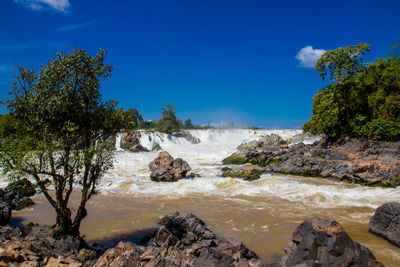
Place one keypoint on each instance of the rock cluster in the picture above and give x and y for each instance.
(35, 246)
(323, 242)
(386, 222)
(182, 240)
(167, 169)
(364, 162)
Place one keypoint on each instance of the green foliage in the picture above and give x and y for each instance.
(168, 122)
(262, 162)
(320, 155)
(225, 169)
(134, 117)
(26, 188)
(24, 204)
(234, 159)
(188, 124)
(362, 100)
(282, 143)
(65, 127)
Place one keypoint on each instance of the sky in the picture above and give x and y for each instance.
(250, 62)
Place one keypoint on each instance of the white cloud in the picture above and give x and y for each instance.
(308, 56)
(59, 5)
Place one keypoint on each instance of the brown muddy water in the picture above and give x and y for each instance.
(263, 223)
(262, 214)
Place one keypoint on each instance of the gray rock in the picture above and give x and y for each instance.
(167, 169)
(386, 222)
(5, 212)
(323, 242)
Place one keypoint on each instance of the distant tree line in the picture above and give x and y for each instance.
(167, 123)
(362, 100)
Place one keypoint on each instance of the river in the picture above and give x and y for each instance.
(263, 213)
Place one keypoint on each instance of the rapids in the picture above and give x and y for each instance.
(263, 213)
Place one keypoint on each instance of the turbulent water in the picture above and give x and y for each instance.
(263, 213)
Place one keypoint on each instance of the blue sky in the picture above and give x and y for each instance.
(246, 61)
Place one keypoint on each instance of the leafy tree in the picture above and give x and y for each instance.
(188, 124)
(363, 100)
(65, 127)
(135, 116)
(168, 122)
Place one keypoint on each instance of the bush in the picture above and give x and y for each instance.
(234, 159)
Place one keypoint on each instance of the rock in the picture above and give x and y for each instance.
(187, 135)
(323, 242)
(249, 173)
(23, 186)
(17, 194)
(130, 141)
(124, 254)
(386, 222)
(167, 169)
(185, 240)
(269, 140)
(156, 147)
(5, 212)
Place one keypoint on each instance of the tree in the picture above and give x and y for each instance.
(135, 116)
(188, 124)
(65, 130)
(168, 122)
(363, 100)
(342, 65)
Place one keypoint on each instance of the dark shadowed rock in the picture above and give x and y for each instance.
(167, 169)
(187, 135)
(386, 222)
(323, 242)
(5, 212)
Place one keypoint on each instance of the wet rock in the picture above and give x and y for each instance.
(269, 140)
(187, 135)
(167, 169)
(386, 222)
(248, 172)
(323, 242)
(156, 147)
(131, 141)
(18, 193)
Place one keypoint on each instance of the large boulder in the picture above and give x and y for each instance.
(131, 141)
(167, 169)
(185, 240)
(386, 222)
(268, 140)
(323, 242)
(18, 194)
(187, 135)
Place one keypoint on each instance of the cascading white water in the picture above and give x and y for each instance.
(131, 173)
(118, 142)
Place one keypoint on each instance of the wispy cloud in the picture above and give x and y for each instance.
(77, 26)
(308, 56)
(36, 44)
(59, 5)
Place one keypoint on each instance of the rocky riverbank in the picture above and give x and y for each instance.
(183, 240)
(367, 162)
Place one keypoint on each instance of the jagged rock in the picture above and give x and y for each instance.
(5, 212)
(185, 240)
(124, 254)
(323, 242)
(187, 135)
(269, 140)
(156, 147)
(386, 222)
(34, 245)
(17, 194)
(130, 141)
(246, 172)
(167, 169)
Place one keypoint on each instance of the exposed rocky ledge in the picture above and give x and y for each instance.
(386, 222)
(367, 162)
